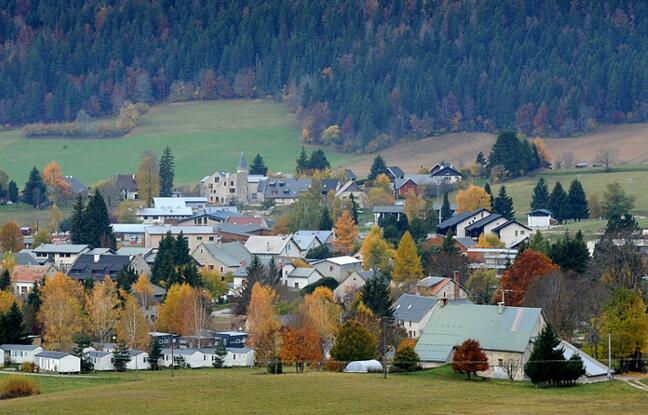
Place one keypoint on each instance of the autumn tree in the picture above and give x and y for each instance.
(55, 218)
(346, 233)
(482, 286)
(353, 342)
(263, 323)
(7, 298)
(126, 211)
(320, 311)
(214, 282)
(148, 179)
(143, 290)
(377, 196)
(407, 263)
(58, 187)
(469, 358)
(489, 240)
(624, 317)
(528, 266)
(375, 250)
(414, 206)
(473, 198)
(132, 327)
(300, 344)
(175, 314)
(102, 308)
(11, 239)
(61, 312)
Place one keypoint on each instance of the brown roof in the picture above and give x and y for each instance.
(245, 220)
(29, 273)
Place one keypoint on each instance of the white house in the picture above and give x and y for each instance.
(512, 233)
(19, 353)
(267, 247)
(540, 219)
(60, 362)
(239, 357)
(351, 284)
(101, 360)
(63, 256)
(338, 267)
(306, 241)
(193, 358)
(458, 222)
(299, 277)
(139, 360)
(412, 312)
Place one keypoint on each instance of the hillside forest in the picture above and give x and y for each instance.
(360, 74)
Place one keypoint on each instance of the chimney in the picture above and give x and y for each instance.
(500, 307)
(444, 300)
(457, 285)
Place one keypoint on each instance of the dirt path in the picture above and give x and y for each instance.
(51, 375)
(635, 382)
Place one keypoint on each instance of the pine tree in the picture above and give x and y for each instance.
(86, 362)
(318, 160)
(5, 280)
(12, 192)
(546, 360)
(448, 245)
(35, 191)
(354, 209)
(539, 243)
(96, 221)
(376, 295)
(258, 166)
(220, 351)
(155, 353)
(488, 190)
(126, 277)
(164, 265)
(121, 357)
(503, 204)
(571, 254)
(255, 273)
(326, 223)
(540, 198)
(446, 211)
(32, 307)
(378, 167)
(14, 327)
(167, 172)
(302, 163)
(558, 202)
(577, 202)
(77, 223)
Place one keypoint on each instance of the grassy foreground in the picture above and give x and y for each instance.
(250, 391)
(204, 135)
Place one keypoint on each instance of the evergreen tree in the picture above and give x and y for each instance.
(258, 166)
(326, 223)
(96, 223)
(547, 361)
(540, 198)
(32, 307)
(255, 273)
(167, 172)
(13, 326)
(558, 202)
(378, 167)
(12, 192)
(5, 280)
(571, 254)
(318, 160)
(577, 202)
(539, 244)
(376, 295)
(164, 265)
(446, 211)
(220, 351)
(488, 190)
(354, 209)
(77, 224)
(620, 226)
(126, 277)
(155, 354)
(448, 245)
(481, 159)
(503, 204)
(86, 363)
(302, 162)
(35, 191)
(121, 357)
(272, 275)
(516, 156)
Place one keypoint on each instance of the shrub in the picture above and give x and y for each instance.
(406, 360)
(29, 367)
(18, 386)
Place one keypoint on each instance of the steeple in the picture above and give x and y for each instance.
(242, 166)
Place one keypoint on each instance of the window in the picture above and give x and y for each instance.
(211, 267)
(296, 285)
(200, 239)
(222, 269)
(331, 268)
(211, 238)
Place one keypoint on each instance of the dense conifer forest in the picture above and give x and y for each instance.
(359, 73)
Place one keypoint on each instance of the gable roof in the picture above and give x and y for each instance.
(96, 267)
(76, 186)
(323, 236)
(481, 223)
(395, 171)
(245, 220)
(268, 245)
(450, 325)
(411, 307)
(340, 260)
(52, 355)
(27, 347)
(431, 281)
(175, 230)
(63, 248)
(540, 212)
(230, 254)
(509, 223)
(443, 170)
(285, 188)
(304, 240)
(302, 272)
(164, 211)
(389, 209)
(98, 353)
(349, 186)
(184, 352)
(127, 182)
(29, 273)
(454, 220)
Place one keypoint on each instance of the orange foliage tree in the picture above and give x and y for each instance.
(53, 178)
(473, 198)
(528, 266)
(346, 233)
(132, 327)
(175, 313)
(263, 323)
(300, 345)
(11, 239)
(320, 312)
(469, 358)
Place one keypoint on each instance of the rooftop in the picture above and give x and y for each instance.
(62, 248)
(411, 307)
(185, 229)
(52, 355)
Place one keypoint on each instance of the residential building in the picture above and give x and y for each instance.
(239, 357)
(76, 187)
(139, 360)
(195, 235)
(412, 312)
(24, 277)
(325, 237)
(497, 259)
(177, 202)
(278, 247)
(338, 267)
(131, 234)
(306, 241)
(62, 256)
(540, 219)
(235, 339)
(211, 216)
(164, 215)
(354, 282)
(485, 225)
(285, 191)
(381, 212)
(511, 233)
(19, 353)
(127, 186)
(97, 267)
(59, 362)
(458, 222)
(192, 358)
(300, 277)
(101, 360)
(225, 257)
(256, 185)
(395, 172)
(225, 188)
(442, 287)
(461, 244)
(228, 232)
(504, 333)
(351, 188)
(445, 174)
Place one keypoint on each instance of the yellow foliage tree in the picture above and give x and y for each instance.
(55, 218)
(407, 263)
(148, 179)
(126, 211)
(143, 290)
(175, 313)
(489, 240)
(6, 301)
(61, 312)
(41, 237)
(53, 178)
(102, 308)
(282, 226)
(542, 150)
(375, 250)
(263, 322)
(128, 117)
(11, 239)
(8, 261)
(132, 327)
(346, 233)
(473, 198)
(414, 206)
(320, 311)
(383, 182)
(213, 281)
(379, 196)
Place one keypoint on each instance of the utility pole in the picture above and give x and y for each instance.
(172, 359)
(609, 356)
(385, 322)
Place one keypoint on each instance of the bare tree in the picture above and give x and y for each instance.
(567, 160)
(511, 367)
(607, 157)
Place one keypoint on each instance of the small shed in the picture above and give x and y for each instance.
(539, 219)
(139, 360)
(60, 362)
(364, 366)
(239, 357)
(101, 360)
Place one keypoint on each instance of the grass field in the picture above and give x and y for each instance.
(249, 391)
(204, 135)
(25, 215)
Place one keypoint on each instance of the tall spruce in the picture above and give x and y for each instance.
(446, 211)
(12, 326)
(545, 361)
(571, 254)
(155, 354)
(96, 222)
(318, 160)
(378, 167)
(326, 223)
(488, 190)
(302, 162)
(77, 222)
(164, 265)
(35, 191)
(258, 166)
(376, 294)
(86, 362)
(577, 202)
(167, 172)
(12, 191)
(5, 280)
(173, 264)
(540, 198)
(503, 204)
(516, 155)
(121, 357)
(354, 209)
(558, 203)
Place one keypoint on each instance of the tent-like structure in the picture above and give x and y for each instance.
(363, 366)
(595, 371)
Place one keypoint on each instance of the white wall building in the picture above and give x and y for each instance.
(239, 357)
(59, 362)
(101, 360)
(19, 353)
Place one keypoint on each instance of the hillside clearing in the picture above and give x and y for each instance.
(247, 391)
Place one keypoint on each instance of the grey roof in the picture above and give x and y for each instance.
(411, 307)
(52, 355)
(219, 215)
(430, 281)
(389, 209)
(540, 212)
(395, 171)
(244, 230)
(508, 223)
(417, 179)
(126, 182)
(511, 330)
(239, 350)
(28, 347)
(184, 352)
(98, 353)
(301, 272)
(442, 170)
(155, 211)
(285, 188)
(457, 218)
(483, 222)
(304, 240)
(129, 228)
(349, 174)
(101, 251)
(467, 242)
(97, 267)
(76, 186)
(323, 236)
(63, 248)
(135, 250)
(25, 258)
(134, 352)
(231, 254)
(329, 185)
(268, 245)
(175, 230)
